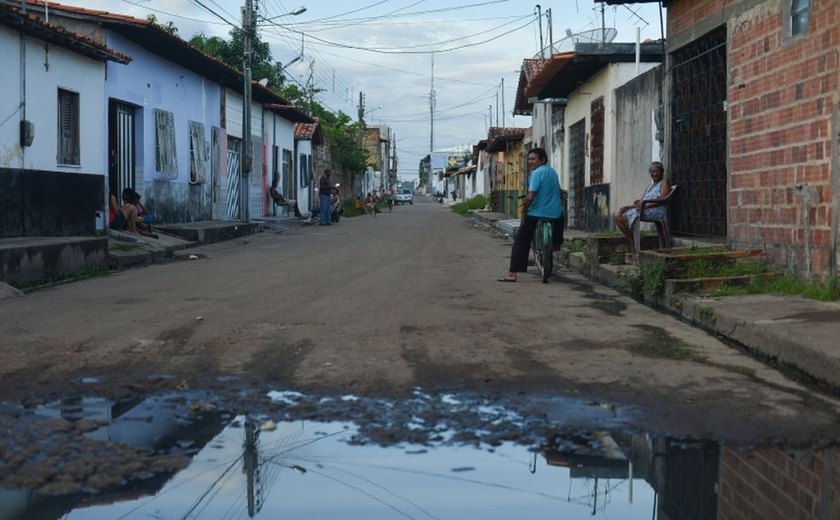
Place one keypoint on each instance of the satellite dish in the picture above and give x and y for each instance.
(590, 36)
(606, 35)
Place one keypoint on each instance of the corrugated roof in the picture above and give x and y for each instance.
(531, 67)
(309, 131)
(497, 136)
(170, 47)
(565, 72)
(11, 16)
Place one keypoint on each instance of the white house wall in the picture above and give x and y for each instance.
(579, 107)
(279, 132)
(152, 83)
(65, 70)
(305, 187)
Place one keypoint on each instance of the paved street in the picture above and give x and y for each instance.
(379, 306)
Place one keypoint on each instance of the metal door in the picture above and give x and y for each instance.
(698, 137)
(120, 147)
(234, 178)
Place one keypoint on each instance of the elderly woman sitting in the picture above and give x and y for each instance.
(655, 194)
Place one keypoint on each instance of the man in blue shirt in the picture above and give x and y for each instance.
(542, 202)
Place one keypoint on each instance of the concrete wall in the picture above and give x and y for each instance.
(150, 82)
(603, 84)
(635, 144)
(279, 133)
(40, 203)
(66, 70)
(783, 112)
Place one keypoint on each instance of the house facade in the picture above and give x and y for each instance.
(506, 162)
(752, 118)
(781, 88)
(51, 161)
(174, 123)
(573, 99)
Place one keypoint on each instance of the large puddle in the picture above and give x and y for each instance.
(428, 457)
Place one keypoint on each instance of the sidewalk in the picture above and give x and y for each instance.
(37, 260)
(791, 332)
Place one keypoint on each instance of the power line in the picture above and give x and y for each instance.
(383, 51)
(217, 15)
(173, 15)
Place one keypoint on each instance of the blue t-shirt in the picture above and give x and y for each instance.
(546, 184)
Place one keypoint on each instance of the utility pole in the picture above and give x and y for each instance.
(247, 148)
(310, 86)
(361, 131)
(550, 24)
(497, 108)
(539, 22)
(504, 115)
(432, 109)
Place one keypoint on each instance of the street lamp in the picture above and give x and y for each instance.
(294, 12)
(248, 29)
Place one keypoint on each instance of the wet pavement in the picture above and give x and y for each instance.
(186, 455)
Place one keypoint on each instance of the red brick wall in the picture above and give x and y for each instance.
(781, 95)
(773, 484)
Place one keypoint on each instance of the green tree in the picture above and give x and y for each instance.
(169, 27)
(341, 132)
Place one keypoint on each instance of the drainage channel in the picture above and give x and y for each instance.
(182, 455)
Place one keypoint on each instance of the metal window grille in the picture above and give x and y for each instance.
(166, 163)
(577, 174)
(699, 137)
(198, 153)
(596, 144)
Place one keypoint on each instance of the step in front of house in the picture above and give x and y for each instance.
(211, 231)
(33, 260)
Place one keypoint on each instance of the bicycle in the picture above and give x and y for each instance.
(543, 246)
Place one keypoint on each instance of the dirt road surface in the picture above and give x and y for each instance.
(380, 306)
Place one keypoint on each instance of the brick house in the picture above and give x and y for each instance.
(753, 126)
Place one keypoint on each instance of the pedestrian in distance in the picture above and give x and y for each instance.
(325, 188)
(543, 202)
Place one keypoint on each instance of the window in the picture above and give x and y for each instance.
(288, 177)
(68, 128)
(166, 163)
(275, 164)
(198, 153)
(305, 164)
(799, 17)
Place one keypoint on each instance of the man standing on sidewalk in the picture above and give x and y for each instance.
(324, 190)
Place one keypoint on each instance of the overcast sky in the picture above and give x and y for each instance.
(383, 48)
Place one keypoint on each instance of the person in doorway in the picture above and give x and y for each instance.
(280, 200)
(325, 188)
(541, 203)
(658, 189)
(120, 220)
(144, 216)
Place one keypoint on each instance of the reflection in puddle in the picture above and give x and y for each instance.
(315, 470)
(239, 467)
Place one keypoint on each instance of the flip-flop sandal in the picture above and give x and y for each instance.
(503, 279)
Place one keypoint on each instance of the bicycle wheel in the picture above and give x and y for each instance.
(547, 252)
(536, 246)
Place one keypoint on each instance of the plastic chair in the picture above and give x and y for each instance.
(662, 231)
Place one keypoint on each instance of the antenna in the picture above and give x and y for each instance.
(605, 35)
